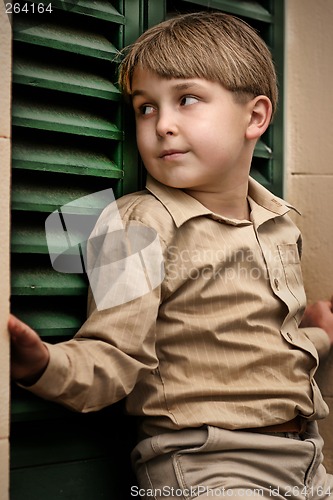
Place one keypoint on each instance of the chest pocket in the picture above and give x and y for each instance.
(292, 271)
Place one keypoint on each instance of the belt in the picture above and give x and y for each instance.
(297, 425)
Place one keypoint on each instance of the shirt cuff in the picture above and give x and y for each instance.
(50, 384)
(320, 339)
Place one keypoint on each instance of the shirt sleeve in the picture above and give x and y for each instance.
(320, 340)
(115, 347)
(102, 364)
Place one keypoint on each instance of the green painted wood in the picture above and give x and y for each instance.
(59, 77)
(277, 136)
(258, 176)
(27, 237)
(89, 435)
(98, 10)
(156, 12)
(39, 456)
(252, 10)
(63, 37)
(262, 150)
(44, 281)
(89, 479)
(49, 322)
(25, 408)
(62, 118)
(43, 197)
(63, 159)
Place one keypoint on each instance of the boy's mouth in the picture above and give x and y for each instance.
(170, 154)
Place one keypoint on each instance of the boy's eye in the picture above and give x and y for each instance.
(146, 109)
(188, 100)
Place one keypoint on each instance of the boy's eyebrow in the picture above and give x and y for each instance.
(187, 85)
(137, 93)
(177, 86)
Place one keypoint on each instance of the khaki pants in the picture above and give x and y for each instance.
(218, 463)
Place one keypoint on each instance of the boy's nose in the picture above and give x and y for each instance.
(166, 124)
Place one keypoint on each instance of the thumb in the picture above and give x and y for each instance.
(20, 331)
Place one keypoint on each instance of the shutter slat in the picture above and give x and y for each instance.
(50, 323)
(98, 10)
(63, 119)
(262, 150)
(259, 177)
(31, 239)
(75, 81)
(68, 38)
(253, 10)
(24, 409)
(45, 281)
(42, 197)
(28, 238)
(44, 157)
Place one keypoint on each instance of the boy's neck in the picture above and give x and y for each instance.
(232, 204)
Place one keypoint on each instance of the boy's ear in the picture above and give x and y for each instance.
(261, 113)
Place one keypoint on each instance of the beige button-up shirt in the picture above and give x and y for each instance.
(217, 341)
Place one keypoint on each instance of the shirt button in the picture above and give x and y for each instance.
(289, 336)
(276, 283)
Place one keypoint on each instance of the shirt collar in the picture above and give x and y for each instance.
(180, 205)
(183, 207)
(268, 200)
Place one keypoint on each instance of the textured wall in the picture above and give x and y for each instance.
(309, 156)
(5, 65)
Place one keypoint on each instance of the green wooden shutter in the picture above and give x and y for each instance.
(265, 16)
(67, 143)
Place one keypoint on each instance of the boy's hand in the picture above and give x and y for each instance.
(29, 355)
(320, 314)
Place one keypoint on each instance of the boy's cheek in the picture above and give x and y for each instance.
(144, 143)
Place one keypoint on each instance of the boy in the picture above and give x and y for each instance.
(211, 359)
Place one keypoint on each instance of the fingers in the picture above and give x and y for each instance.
(324, 305)
(319, 314)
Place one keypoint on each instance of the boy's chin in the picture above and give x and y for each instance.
(172, 183)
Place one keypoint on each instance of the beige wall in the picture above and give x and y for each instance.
(309, 155)
(5, 65)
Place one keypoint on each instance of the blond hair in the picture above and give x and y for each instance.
(210, 45)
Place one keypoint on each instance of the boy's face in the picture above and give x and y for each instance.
(191, 133)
